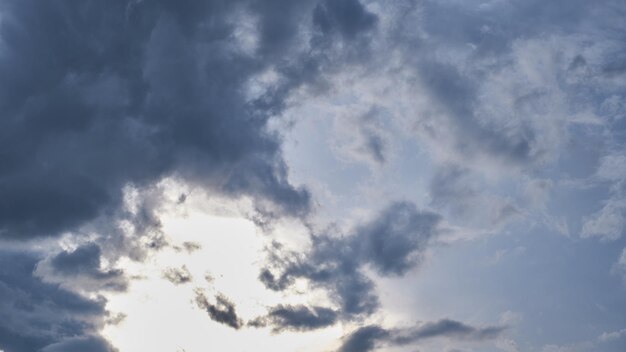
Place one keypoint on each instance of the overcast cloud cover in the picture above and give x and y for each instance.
(432, 175)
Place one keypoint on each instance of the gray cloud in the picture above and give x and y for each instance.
(483, 100)
(347, 17)
(454, 95)
(364, 339)
(457, 191)
(129, 93)
(82, 269)
(369, 337)
(392, 243)
(223, 311)
(36, 314)
(296, 318)
(177, 276)
(189, 247)
(97, 97)
(100, 95)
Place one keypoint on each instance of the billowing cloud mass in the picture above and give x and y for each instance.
(399, 161)
(97, 96)
(392, 243)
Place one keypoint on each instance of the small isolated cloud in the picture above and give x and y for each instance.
(177, 276)
(222, 311)
(188, 247)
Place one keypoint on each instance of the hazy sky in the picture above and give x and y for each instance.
(312, 175)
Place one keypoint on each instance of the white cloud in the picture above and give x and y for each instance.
(615, 335)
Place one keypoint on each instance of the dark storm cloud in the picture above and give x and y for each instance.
(36, 314)
(392, 243)
(177, 276)
(98, 95)
(369, 337)
(223, 311)
(296, 318)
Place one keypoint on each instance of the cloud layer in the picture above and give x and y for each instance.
(490, 118)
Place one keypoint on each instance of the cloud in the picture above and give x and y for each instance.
(609, 222)
(177, 276)
(36, 314)
(576, 347)
(620, 266)
(392, 243)
(369, 337)
(362, 137)
(223, 311)
(81, 344)
(101, 109)
(296, 318)
(347, 17)
(81, 269)
(457, 191)
(189, 247)
(612, 336)
(101, 102)
(364, 339)
(101, 97)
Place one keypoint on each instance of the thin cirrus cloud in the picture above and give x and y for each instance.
(507, 117)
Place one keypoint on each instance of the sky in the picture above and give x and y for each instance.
(312, 175)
